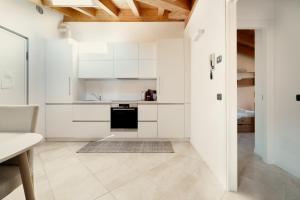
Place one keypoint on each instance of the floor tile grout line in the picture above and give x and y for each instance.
(48, 180)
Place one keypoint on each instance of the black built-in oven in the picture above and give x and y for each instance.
(124, 116)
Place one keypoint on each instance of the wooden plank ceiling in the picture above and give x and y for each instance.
(246, 42)
(120, 10)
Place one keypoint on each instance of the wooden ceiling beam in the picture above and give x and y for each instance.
(246, 37)
(69, 12)
(245, 50)
(125, 15)
(108, 11)
(134, 7)
(108, 6)
(160, 11)
(90, 12)
(171, 5)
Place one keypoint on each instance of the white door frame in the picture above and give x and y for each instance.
(231, 87)
(231, 97)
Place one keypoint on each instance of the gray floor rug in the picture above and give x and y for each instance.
(128, 147)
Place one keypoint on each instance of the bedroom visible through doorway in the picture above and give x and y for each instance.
(245, 94)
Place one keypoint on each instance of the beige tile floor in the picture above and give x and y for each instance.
(62, 174)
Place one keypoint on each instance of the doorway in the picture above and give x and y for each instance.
(13, 68)
(245, 95)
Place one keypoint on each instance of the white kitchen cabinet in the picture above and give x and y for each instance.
(170, 71)
(147, 112)
(59, 121)
(126, 69)
(90, 130)
(171, 121)
(123, 134)
(147, 51)
(126, 51)
(91, 113)
(61, 59)
(147, 130)
(96, 69)
(92, 52)
(147, 69)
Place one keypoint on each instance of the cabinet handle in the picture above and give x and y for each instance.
(70, 86)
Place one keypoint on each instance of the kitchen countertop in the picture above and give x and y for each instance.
(81, 102)
(115, 102)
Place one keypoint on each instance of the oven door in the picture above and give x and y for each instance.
(124, 118)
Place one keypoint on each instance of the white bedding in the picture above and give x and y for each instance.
(242, 113)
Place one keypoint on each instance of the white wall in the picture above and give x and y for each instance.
(283, 18)
(208, 127)
(21, 16)
(126, 31)
(287, 85)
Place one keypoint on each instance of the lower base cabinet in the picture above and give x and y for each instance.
(171, 121)
(147, 130)
(59, 121)
(91, 130)
(59, 124)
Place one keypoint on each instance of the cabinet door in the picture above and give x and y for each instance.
(170, 68)
(147, 51)
(147, 130)
(147, 113)
(91, 52)
(91, 112)
(59, 71)
(126, 51)
(171, 121)
(59, 121)
(96, 69)
(90, 130)
(126, 68)
(147, 69)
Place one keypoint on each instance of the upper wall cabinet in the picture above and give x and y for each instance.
(96, 69)
(61, 60)
(126, 69)
(95, 52)
(117, 60)
(96, 61)
(147, 61)
(126, 51)
(147, 69)
(147, 51)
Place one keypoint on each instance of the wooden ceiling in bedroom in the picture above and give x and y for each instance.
(120, 10)
(246, 42)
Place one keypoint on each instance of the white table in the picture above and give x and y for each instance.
(17, 145)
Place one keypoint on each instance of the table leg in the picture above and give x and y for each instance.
(25, 175)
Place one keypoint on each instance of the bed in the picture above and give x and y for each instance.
(246, 121)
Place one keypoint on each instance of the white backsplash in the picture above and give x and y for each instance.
(117, 89)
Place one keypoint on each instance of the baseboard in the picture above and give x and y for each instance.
(115, 139)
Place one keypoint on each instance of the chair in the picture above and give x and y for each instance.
(15, 119)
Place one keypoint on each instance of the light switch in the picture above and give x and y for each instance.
(219, 97)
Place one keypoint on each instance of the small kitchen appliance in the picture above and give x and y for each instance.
(150, 95)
